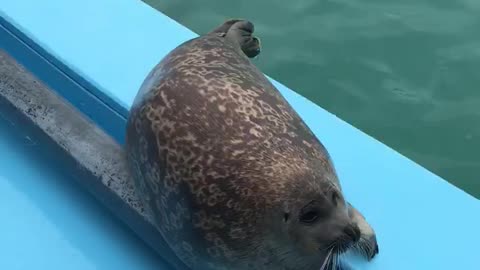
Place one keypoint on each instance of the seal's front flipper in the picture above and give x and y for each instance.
(367, 245)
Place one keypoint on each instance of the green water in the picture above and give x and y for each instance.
(405, 72)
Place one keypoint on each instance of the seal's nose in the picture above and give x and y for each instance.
(353, 232)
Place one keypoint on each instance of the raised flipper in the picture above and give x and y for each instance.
(240, 32)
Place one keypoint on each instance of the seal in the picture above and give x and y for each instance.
(231, 174)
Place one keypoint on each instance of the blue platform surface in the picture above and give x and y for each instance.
(48, 221)
(105, 48)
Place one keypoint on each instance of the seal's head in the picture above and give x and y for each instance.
(315, 227)
(239, 32)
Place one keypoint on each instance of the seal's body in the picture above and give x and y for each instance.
(230, 172)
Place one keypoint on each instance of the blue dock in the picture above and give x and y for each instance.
(95, 54)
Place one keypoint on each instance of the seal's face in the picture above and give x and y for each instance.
(320, 227)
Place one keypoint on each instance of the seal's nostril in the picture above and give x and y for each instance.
(353, 232)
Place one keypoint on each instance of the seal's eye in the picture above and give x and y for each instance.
(313, 211)
(309, 217)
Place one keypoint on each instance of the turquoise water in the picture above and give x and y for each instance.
(405, 72)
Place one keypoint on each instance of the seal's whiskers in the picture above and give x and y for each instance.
(327, 259)
(363, 247)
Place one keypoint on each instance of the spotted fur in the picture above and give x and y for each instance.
(214, 148)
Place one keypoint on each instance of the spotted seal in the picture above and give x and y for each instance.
(231, 174)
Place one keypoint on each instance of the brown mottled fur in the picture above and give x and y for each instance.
(218, 154)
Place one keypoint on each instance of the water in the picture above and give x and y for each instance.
(405, 72)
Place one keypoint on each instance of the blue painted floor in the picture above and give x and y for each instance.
(48, 221)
